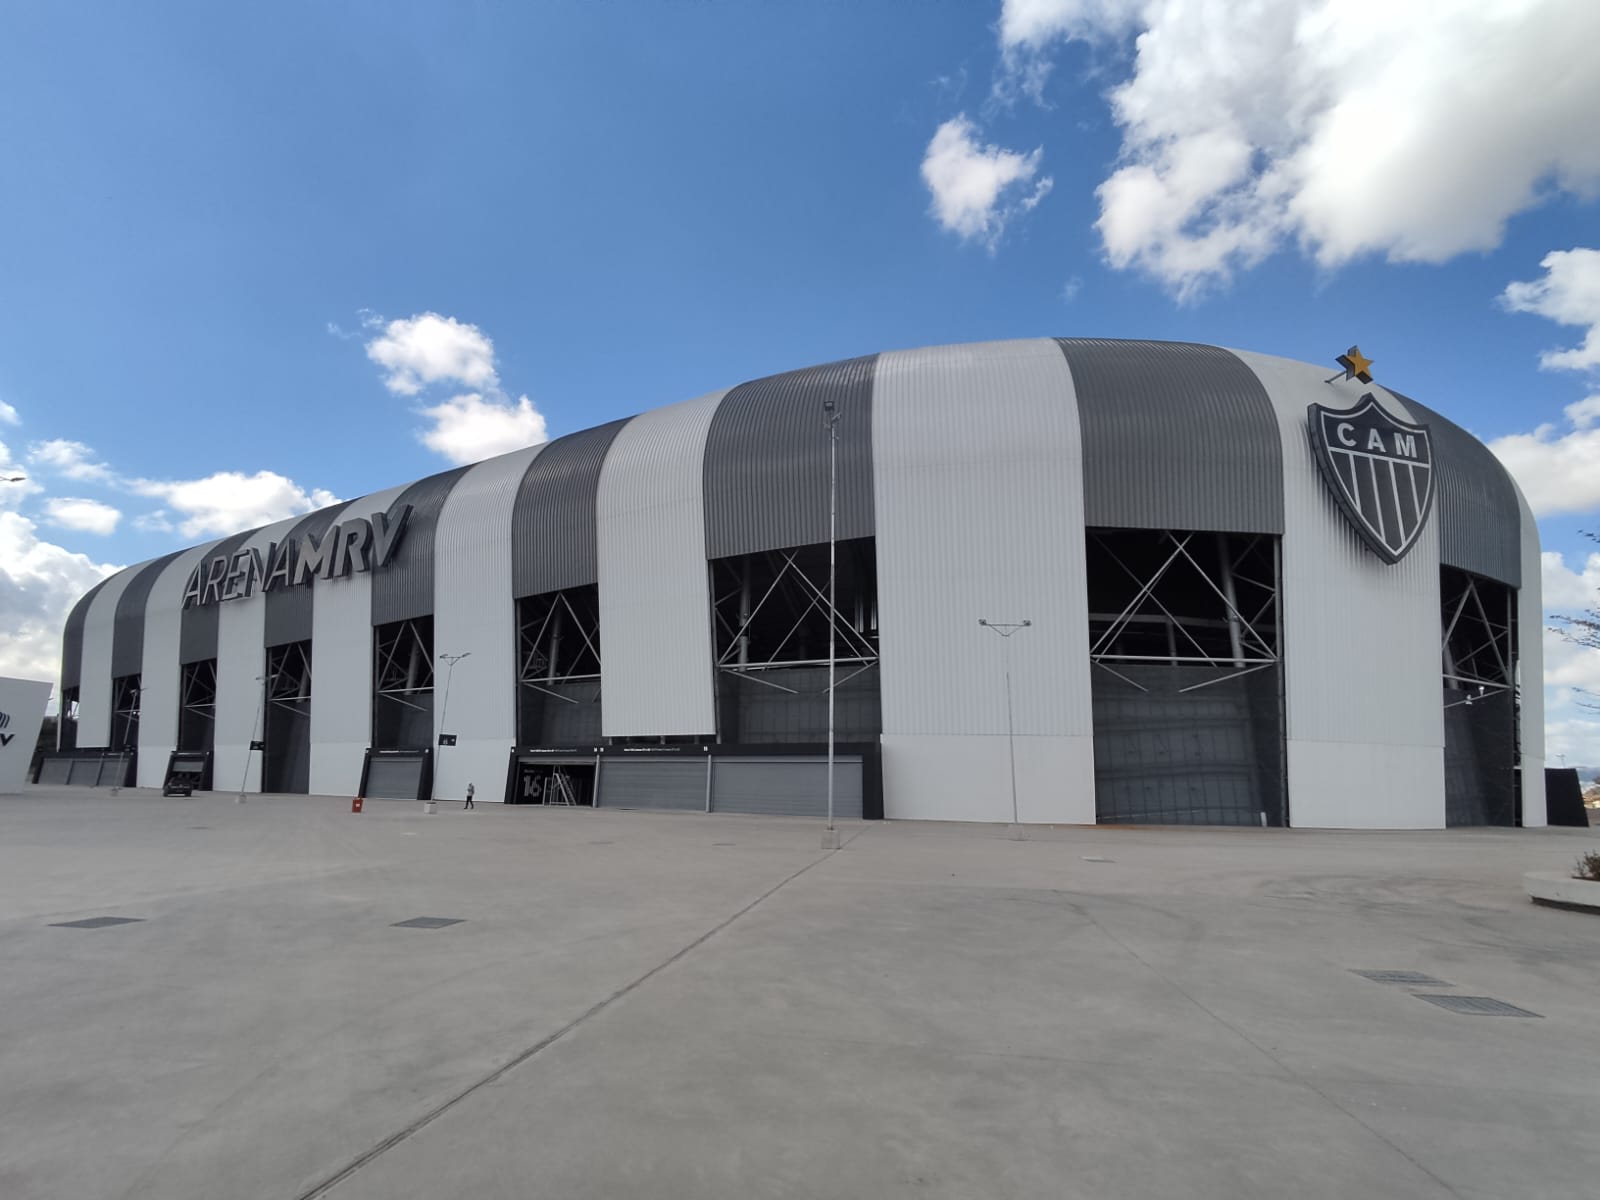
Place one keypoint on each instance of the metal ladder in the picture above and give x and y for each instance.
(560, 789)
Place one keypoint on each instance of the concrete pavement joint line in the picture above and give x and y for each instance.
(1282, 1066)
(422, 1122)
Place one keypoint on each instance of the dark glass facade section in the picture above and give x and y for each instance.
(197, 705)
(1186, 677)
(402, 692)
(286, 765)
(771, 624)
(558, 668)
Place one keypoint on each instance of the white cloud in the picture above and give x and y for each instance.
(153, 522)
(1558, 472)
(469, 428)
(8, 415)
(1566, 590)
(72, 460)
(39, 584)
(12, 494)
(1585, 412)
(1569, 294)
(1348, 127)
(428, 348)
(230, 501)
(977, 189)
(85, 516)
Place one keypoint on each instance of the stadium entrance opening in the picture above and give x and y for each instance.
(562, 782)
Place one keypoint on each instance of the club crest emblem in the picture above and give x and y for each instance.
(1379, 469)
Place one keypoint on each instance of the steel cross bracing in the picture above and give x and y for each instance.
(404, 662)
(125, 709)
(1251, 623)
(558, 642)
(198, 688)
(801, 604)
(1477, 653)
(289, 675)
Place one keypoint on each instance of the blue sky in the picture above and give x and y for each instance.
(211, 213)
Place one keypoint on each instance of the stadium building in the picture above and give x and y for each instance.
(1219, 588)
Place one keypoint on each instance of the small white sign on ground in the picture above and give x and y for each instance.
(22, 704)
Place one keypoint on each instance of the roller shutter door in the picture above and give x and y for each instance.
(653, 783)
(394, 778)
(55, 770)
(789, 787)
(84, 772)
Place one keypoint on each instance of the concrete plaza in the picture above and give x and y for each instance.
(669, 1005)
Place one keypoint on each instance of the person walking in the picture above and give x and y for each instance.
(471, 791)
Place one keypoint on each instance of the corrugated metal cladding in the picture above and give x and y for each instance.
(1475, 502)
(158, 705)
(654, 782)
(197, 639)
(94, 698)
(405, 590)
(289, 609)
(127, 635)
(72, 638)
(1530, 668)
(656, 651)
(766, 464)
(553, 521)
(1175, 436)
(786, 787)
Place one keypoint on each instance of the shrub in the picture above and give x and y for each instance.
(1588, 866)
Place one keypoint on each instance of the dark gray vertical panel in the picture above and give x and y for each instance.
(72, 638)
(127, 630)
(1175, 436)
(197, 634)
(766, 482)
(553, 542)
(1475, 503)
(288, 615)
(403, 590)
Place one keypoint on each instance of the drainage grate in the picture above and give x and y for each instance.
(1477, 1006)
(427, 922)
(95, 922)
(1409, 978)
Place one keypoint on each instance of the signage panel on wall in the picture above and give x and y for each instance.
(22, 703)
(1379, 469)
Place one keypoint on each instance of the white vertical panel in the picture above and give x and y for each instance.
(655, 606)
(94, 687)
(341, 668)
(979, 496)
(1530, 648)
(1360, 637)
(241, 657)
(475, 615)
(160, 674)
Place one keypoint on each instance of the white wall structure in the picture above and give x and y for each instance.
(241, 664)
(656, 652)
(341, 668)
(1530, 669)
(22, 705)
(475, 615)
(1359, 755)
(94, 695)
(977, 467)
(161, 676)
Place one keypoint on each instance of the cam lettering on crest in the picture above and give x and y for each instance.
(345, 549)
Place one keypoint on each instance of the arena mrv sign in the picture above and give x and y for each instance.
(1379, 469)
(346, 548)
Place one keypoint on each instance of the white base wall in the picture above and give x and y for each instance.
(951, 778)
(1345, 785)
(152, 764)
(335, 767)
(480, 761)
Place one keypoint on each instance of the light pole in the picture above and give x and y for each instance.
(1005, 629)
(830, 835)
(261, 699)
(444, 709)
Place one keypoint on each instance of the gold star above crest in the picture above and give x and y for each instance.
(1356, 365)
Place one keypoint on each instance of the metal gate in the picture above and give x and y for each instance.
(395, 777)
(653, 783)
(786, 786)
